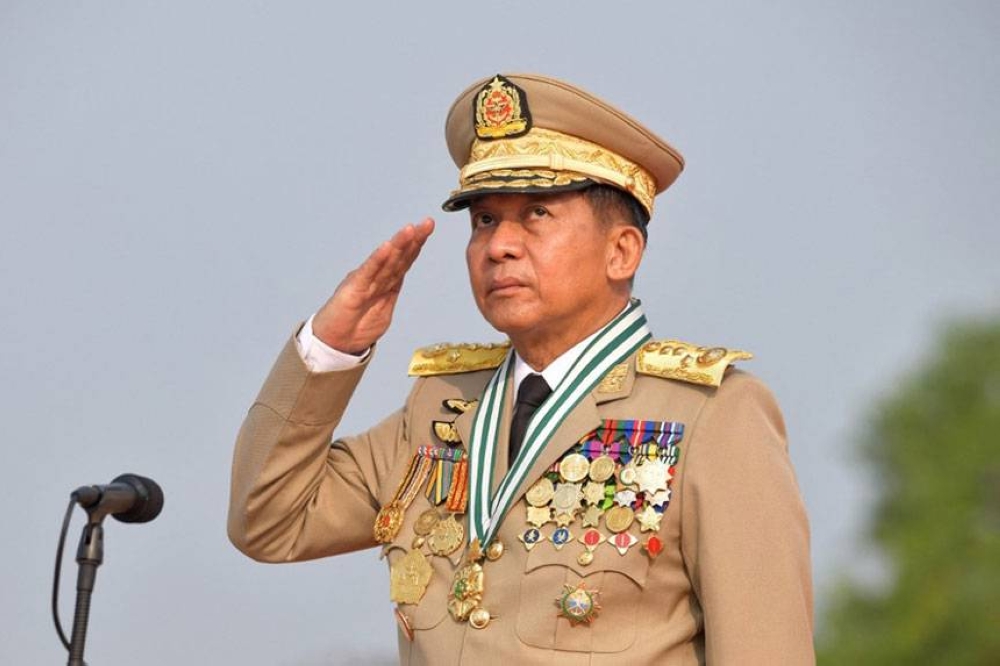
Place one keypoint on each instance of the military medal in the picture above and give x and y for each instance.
(652, 476)
(574, 467)
(566, 502)
(619, 518)
(649, 519)
(623, 541)
(593, 492)
(540, 494)
(590, 539)
(409, 577)
(494, 551)
(628, 474)
(602, 469)
(578, 604)
(653, 546)
(592, 516)
(446, 536)
(625, 497)
(660, 498)
(390, 517)
(530, 537)
(466, 591)
(426, 522)
(561, 537)
(387, 522)
(539, 515)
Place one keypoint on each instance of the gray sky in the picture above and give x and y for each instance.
(181, 183)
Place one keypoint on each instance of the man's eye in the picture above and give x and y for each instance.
(539, 211)
(481, 220)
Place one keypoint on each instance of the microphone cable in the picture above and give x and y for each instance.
(55, 577)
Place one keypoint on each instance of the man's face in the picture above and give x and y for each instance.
(538, 265)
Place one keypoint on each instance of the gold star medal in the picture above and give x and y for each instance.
(649, 519)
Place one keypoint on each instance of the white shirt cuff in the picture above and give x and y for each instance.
(321, 357)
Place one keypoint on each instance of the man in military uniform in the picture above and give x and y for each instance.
(583, 494)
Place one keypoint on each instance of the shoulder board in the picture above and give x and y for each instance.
(673, 359)
(449, 359)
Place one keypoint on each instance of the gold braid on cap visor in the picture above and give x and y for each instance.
(546, 158)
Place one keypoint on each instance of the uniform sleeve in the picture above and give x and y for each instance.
(744, 531)
(294, 495)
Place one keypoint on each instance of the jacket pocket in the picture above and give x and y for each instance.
(618, 581)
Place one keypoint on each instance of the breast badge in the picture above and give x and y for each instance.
(578, 604)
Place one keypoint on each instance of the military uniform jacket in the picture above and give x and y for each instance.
(731, 585)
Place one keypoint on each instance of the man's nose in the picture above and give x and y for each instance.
(506, 241)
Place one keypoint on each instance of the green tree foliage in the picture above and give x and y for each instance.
(934, 446)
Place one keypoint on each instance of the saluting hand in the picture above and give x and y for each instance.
(360, 310)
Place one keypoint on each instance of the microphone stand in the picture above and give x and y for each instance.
(89, 556)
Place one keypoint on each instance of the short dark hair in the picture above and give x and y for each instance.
(613, 205)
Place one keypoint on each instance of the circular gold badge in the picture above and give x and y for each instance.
(574, 467)
(426, 522)
(619, 518)
(540, 493)
(602, 469)
(446, 537)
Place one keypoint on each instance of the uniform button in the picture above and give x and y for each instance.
(494, 551)
(479, 618)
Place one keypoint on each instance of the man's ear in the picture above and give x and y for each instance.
(625, 246)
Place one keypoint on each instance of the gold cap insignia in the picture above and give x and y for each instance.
(501, 110)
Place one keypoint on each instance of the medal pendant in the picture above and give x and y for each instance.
(540, 494)
(653, 546)
(622, 542)
(561, 537)
(652, 476)
(387, 522)
(466, 591)
(446, 537)
(574, 467)
(409, 577)
(530, 537)
(619, 518)
(539, 515)
(602, 469)
(649, 519)
(426, 522)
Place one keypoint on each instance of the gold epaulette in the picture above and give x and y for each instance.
(674, 359)
(448, 359)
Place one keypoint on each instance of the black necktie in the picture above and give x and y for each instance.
(532, 393)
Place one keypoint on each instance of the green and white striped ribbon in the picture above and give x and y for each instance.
(612, 345)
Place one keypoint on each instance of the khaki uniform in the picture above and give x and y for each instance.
(731, 585)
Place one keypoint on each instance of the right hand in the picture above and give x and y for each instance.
(360, 310)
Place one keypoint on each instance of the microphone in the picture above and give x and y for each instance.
(130, 498)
